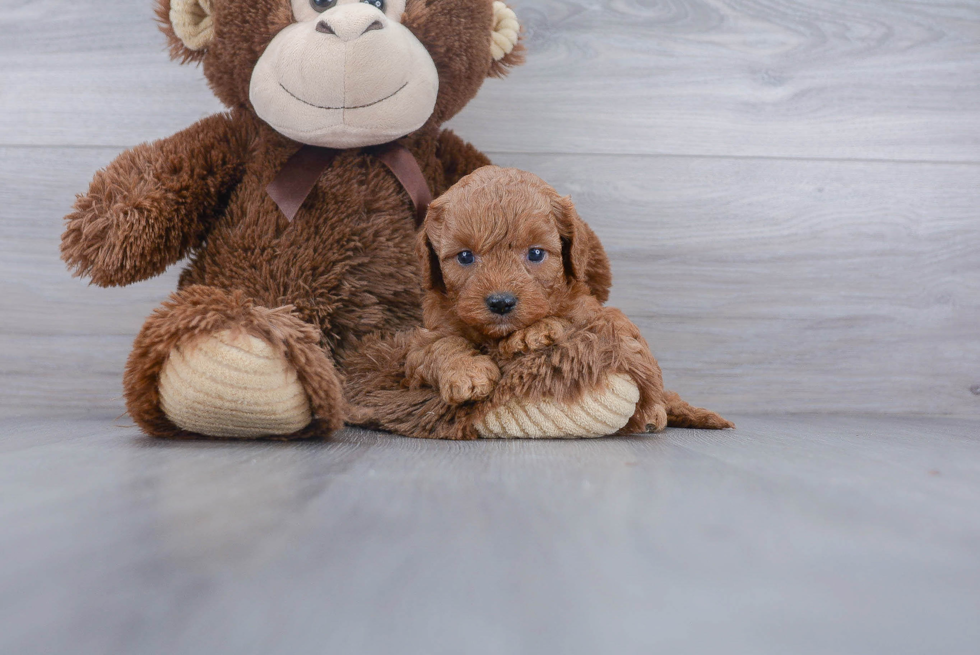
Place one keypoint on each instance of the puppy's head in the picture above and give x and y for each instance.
(502, 250)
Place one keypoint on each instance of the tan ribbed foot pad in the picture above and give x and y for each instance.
(600, 413)
(231, 384)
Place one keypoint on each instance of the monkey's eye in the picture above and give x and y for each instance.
(377, 4)
(466, 258)
(322, 5)
(536, 255)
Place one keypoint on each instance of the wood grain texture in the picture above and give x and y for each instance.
(864, 79)
(762, 285)
(809, 535)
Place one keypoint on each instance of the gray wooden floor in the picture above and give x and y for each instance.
(805, 534)
(789, 192)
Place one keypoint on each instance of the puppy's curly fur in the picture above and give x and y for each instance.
(515, 285)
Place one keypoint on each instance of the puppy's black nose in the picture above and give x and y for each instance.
(501, 303)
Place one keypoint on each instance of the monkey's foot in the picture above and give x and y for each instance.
(232, 384)
(601, 412)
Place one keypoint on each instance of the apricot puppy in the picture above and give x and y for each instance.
(510, 269)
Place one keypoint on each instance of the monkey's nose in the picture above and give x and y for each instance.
(348, 28)
(501, 303)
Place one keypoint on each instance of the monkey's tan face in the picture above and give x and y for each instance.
(346, 74)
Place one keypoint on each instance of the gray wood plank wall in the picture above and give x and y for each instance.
(789, 189)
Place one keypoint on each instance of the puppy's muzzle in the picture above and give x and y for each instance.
(501, 303)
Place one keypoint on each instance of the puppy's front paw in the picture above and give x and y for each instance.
(473, 380)
(544, 333)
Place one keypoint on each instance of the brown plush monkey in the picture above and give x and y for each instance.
(255, 341)
(516, 340)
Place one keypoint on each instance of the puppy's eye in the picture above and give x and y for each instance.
(466, 258)
(322, 5)
(379, 4)
(536, 255)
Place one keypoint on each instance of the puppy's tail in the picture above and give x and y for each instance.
(681, 414)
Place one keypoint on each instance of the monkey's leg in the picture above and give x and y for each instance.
(602, 410)
(572, 389)
(211, 363)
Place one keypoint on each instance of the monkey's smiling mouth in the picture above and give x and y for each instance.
(370, 104)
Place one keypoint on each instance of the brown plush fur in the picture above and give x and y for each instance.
(557, 342)
(198, 311)
(344, 268)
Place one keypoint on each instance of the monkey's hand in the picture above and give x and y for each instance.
(153, 204)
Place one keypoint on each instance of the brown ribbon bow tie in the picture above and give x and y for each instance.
(296, 180)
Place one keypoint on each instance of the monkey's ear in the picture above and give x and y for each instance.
(506, 48)
(430, 267)
(189, 27)
(582, 253)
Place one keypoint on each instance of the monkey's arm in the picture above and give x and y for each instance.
(458, 158)
(452, 366)
(154, 203)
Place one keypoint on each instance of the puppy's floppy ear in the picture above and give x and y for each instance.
(188, 25)
(506, 48)
(430, 267)
(582, 253)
